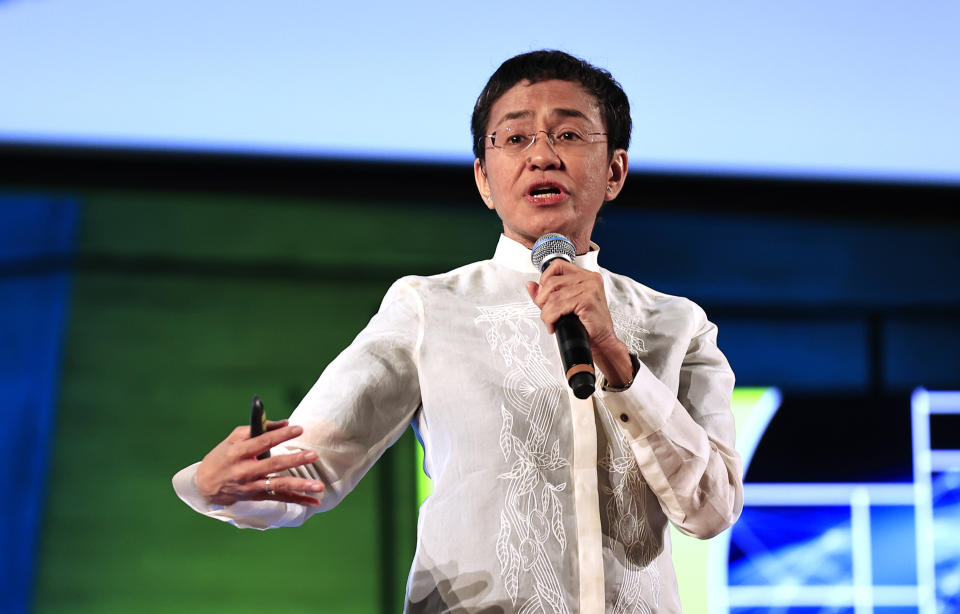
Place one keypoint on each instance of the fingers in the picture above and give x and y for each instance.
(281, 462)
(287, 498)
(288, 484)
(565, 288)
(232, 472)
(558, 296)
(564, 277)
(241, 433)
(532, 289)
(238, 434)
(288, 489)
(558, 267)
(276, 424)
(250, 470)
(262, 443)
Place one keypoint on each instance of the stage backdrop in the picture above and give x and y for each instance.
(181, 306)
(185, 308)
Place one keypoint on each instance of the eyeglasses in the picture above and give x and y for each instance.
(515, 141)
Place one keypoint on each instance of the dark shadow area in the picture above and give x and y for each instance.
(836, 438)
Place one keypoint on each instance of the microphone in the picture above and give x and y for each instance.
(570, 333)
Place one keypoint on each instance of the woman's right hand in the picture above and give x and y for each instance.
(231, 471)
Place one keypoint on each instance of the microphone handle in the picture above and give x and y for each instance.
(576, 356)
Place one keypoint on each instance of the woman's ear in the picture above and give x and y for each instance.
(617, 174)
(483, 186)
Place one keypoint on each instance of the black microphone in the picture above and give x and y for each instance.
(571, 335)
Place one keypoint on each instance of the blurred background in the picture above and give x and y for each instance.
(200, 202)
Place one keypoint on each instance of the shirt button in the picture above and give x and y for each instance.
(624, 418)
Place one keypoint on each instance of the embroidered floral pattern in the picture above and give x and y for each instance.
(626, 501)
(531, 520)
(629, 331)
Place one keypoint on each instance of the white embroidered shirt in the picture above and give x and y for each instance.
(542, 502)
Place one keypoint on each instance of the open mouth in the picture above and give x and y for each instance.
(537, 192)
(544, 192)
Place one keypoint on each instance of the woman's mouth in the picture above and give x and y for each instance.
(545, 194)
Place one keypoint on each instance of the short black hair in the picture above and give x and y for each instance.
(546, 64)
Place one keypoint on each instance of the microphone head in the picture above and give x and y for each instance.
(549, 246)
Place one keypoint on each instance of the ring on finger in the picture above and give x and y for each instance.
(269, 490)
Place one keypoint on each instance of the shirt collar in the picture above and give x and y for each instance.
(517, 257)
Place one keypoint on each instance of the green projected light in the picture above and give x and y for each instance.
(424, 483)
(701, 563)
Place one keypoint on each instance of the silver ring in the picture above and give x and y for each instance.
(268, 489)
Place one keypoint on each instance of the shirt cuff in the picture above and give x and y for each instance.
(185, 485)
(643, 408)
(243, 514)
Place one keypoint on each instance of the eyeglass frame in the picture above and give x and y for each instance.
(551, 140)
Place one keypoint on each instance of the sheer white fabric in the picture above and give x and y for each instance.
(542, 502)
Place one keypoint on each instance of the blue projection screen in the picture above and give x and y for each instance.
(859, 89)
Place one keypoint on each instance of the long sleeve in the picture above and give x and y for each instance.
(360, 405)
(541, 498)
(684, 443)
